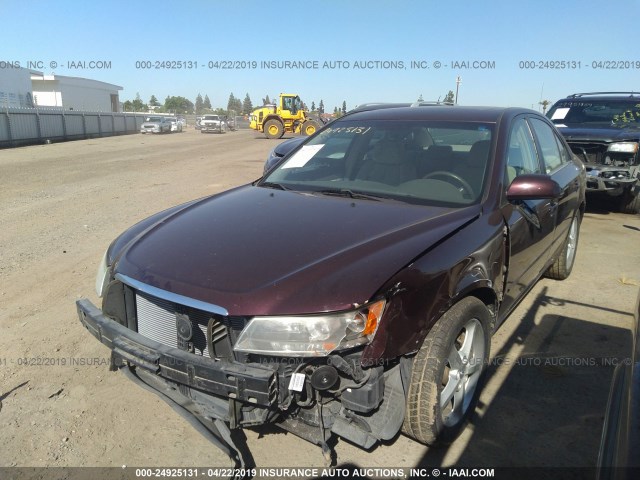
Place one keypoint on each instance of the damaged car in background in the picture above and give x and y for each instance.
(353, 290)
(603, 130)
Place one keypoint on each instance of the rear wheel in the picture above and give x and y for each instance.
(562, 266)
(273, 129)
(447, 374)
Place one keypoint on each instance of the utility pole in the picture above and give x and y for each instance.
(458, 82)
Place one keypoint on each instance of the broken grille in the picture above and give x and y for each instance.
(589, 152)
(211, 335)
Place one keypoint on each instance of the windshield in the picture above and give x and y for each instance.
(153, 119)
(418, 162)
(596, 112)
(210, 117)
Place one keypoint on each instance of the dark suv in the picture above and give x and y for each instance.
(603, 130)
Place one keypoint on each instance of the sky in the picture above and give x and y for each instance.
(506, 53)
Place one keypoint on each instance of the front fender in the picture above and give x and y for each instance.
(470, 262)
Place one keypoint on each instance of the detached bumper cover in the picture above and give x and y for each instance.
(602, 184)
(246, 383)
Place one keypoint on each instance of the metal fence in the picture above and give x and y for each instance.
(23, 126)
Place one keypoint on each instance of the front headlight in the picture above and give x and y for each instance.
(102, 278)
(312, 335)
(623, 147)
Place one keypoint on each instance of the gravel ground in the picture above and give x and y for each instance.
(64, 203)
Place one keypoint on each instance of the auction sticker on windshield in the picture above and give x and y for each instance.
(301, 158)
(560, 113)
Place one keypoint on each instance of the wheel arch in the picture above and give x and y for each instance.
(484, 292)
(272, 117)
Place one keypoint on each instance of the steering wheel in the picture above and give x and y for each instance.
(465, 188)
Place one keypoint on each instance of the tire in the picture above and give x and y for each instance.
(273, 129)
(630, 203)
(309, 127)
(561, 268)
(447, 374)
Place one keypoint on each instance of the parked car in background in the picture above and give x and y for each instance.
(280, 151)
(212, 123)
(353, 290)
(155, 125)
(603, 130)
(176, 126)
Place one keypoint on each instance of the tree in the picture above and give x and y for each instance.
(545, 104)
(247, 106)
(344, 107)
(321, 107)
(237, 106)
(178, 105)
(207, 103)
(136, 105)
(449, 97)
(232, 101)
(266, 100)
(313, 106)
(420, 99)
(199, 104)
(153, 101)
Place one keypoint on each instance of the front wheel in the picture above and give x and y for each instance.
(561, 268)
(630, 203)
(309, 127)
(447, 374)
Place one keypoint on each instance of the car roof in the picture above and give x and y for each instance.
(611, 96)
(439, 113)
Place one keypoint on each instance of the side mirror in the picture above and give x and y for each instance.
(533, 187)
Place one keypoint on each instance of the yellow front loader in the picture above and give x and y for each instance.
(288, 116)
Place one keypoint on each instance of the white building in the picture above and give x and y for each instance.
(15, 86)
(74, 93)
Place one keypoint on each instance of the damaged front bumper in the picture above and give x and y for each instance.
(611, 181)
(219, 396)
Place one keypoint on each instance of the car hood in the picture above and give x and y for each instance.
(602, 133)
(285, 147)
(257, 251)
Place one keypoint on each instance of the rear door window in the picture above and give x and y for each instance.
(548, 144)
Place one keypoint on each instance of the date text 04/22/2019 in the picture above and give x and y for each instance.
(48, 361)
(578, 64)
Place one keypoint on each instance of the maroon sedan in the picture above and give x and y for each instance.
(354, 289)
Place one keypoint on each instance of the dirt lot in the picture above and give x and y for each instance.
(62, 204)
